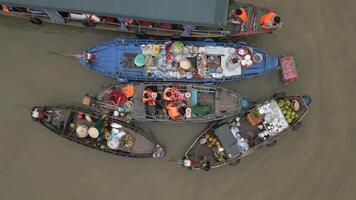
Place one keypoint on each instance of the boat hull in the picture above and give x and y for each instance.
(155, 31)
(222, 103)
(111, 60)
(197, 150)
(59, 119)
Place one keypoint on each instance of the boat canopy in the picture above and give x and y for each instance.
(210, 13)
(227, 140)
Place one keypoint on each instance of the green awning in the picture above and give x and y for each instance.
(212, 13)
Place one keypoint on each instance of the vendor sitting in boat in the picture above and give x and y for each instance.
(238, 16)
(176, 109)
(149, 97)
(119, 97)
(270, 21)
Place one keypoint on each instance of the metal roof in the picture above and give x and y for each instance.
(211, 13)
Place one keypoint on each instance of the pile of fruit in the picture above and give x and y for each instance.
(288, 112)
(214, 142)
(129, 141)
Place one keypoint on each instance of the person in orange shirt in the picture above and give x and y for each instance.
(5, 8)
(128, 91)
(175, 110)
(270, 20)
(238, 16)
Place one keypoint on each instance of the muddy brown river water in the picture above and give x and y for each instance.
(316, 162)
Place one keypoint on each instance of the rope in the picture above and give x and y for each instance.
(77, 56)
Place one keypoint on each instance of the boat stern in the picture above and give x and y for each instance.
(307, 100)
(158, 152)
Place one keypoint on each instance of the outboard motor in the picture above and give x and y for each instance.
(307, 100)
(244, 103)
(89, 58)
(158, 152)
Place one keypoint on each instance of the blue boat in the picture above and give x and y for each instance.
(178, 61)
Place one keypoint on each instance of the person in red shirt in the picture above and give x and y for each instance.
(117, 98)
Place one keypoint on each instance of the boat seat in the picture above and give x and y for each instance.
(139, 107)
(194, 97)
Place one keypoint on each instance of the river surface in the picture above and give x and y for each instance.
(316, 162)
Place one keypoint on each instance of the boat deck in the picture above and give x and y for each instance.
(111, 60)
(254, 14)
(226, 103)
(142, 145)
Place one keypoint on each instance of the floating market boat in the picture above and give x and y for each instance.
(183, 61)
(167, 102)
(227, 141)
(211, 17)
(99, 132)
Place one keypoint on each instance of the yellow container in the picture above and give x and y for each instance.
(156, 49)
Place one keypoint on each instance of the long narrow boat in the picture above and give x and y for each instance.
(97, 131)
(221, 27)
(181, 61)
(166, 102)
(227, 141)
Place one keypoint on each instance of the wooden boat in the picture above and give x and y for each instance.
(97, 131)
(227, 141)
(179, 61)
(214, 28)
(198, 103)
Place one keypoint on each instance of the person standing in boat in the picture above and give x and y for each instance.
(270, 20)
(238, 18)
